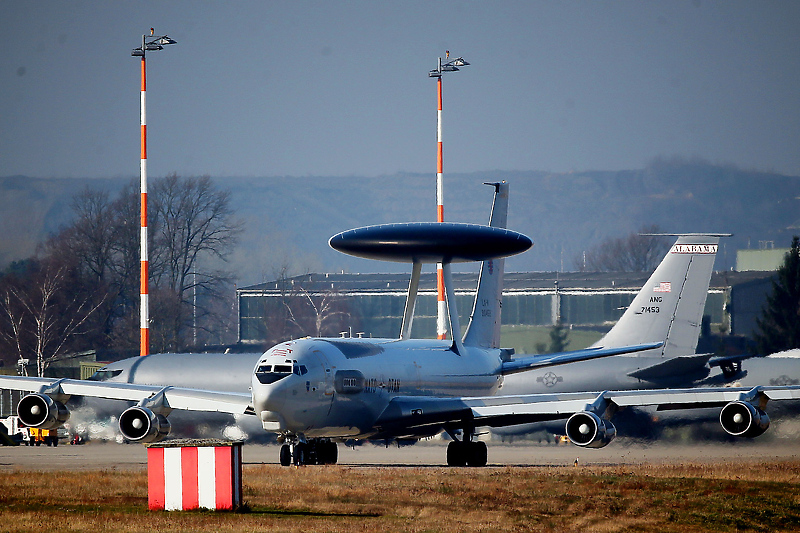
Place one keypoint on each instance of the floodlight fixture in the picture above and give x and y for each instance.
(154, 43)
(449, 66)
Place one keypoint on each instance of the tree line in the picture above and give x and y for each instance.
(81, 289)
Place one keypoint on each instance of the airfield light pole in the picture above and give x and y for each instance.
(149, 42)
(449, 66)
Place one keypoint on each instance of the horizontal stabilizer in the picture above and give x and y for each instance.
(676, 366)
(552, 359)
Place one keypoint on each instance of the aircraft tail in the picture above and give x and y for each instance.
(484, 321)
(670, 306)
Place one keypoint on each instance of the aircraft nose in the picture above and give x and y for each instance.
(269, 401)
(268, 396)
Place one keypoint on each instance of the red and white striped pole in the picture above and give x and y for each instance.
(441, 314)
(144, 305)
(155, 43)
(441, 306)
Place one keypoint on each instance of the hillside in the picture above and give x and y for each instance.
(289, 219)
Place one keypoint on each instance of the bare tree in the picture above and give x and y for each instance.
(317, 314)
(192, 229)
(11, 332)
(192, 222)
(45, 318)
(90, 238)
(636, 252)
(101, 245)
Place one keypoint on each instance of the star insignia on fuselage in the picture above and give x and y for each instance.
(549, 379)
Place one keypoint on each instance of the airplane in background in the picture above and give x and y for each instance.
(313, 392)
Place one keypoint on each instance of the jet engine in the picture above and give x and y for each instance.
(41, 411)
(742, 419)
(139, 424)
(589, 430)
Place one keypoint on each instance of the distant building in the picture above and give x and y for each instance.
(764, 259)
(375, 302)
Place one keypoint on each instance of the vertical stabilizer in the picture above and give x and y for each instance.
(484, 322)
(670, 305)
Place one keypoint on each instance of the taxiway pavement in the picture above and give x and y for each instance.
(108, 456)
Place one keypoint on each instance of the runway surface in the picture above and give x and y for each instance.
(107, 456)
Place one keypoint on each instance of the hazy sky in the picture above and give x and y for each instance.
(341, 88)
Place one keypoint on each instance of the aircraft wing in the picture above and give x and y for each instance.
(552, 359)
(173, 397)
(411, 416)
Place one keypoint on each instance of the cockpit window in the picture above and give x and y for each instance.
(104, 375)
(271, 373)
(267, 374)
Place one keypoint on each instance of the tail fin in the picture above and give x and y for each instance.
(484, 321)
(670, 305)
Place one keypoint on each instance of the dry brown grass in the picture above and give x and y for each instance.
(751, 496)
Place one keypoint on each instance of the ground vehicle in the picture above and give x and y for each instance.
(11, 431)
(19, 433)
(37, 436)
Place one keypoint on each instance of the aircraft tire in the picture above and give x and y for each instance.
(328, 453)
(456, 453)
(477, 453)
(286, 455)
(300, 453)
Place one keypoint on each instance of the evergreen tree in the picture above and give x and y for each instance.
(779, 324)
(558, 338)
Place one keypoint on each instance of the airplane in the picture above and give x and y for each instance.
(669, 307)
(314, 392)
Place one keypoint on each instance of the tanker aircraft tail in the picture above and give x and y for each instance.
(670, 305)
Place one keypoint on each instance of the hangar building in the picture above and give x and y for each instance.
(375, 302)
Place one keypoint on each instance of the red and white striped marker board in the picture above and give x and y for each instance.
(183, 475)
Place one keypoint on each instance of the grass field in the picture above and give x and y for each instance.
(524, 339)
(743, 496)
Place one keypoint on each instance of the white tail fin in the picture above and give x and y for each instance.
(670, 305)
(484, 322)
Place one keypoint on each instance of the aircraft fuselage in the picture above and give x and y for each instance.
(339, 388)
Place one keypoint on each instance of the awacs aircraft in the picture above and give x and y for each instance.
(315, 391)
(669, 308)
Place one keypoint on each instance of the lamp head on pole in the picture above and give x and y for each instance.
(155, 43)
(449, 66)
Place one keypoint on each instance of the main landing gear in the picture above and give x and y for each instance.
(310, 452)
(466, 452)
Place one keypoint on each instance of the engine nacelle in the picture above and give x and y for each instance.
(742, 419)
(589, 430)
(139, 424)
(41, 411)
